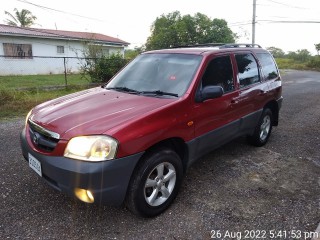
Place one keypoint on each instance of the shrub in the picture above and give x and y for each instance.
(104, 68)
(314, 63)
(286, 63)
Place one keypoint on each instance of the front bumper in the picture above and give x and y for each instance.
(107, 180)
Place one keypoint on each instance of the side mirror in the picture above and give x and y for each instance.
(210, 92)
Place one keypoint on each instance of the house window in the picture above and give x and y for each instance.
(60, 49)
(20, 51)
(106, 52)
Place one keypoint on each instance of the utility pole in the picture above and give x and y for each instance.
(254, 22)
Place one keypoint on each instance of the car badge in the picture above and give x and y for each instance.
(35, 139)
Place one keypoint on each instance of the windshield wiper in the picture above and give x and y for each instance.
(160, 93)
(129, 90)
(123, 89)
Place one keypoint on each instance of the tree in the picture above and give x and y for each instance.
(23, 18)
(176, 30)
(301, 55)
(276, 52)
(317, 47)
(291, 55)
(132, 53)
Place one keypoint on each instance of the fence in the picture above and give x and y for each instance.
(41, 71)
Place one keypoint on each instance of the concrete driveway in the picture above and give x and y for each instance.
(236, 192)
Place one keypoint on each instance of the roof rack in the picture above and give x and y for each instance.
(220, 45)
(199, 45)
(236, 45)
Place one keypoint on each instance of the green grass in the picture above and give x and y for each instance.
(287, 63)
(39, 81)
(18, 94)
(14, 103)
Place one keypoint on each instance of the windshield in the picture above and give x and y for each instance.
(157, 74)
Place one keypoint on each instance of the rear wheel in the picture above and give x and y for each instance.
(263, 129)
(155, 183)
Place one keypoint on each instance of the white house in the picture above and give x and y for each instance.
(25, 51)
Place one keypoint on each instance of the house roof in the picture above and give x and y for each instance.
(60, 34)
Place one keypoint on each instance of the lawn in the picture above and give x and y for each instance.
(18, 94)
(39, 81)
(14, 103)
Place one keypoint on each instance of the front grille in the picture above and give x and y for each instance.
(43, 138)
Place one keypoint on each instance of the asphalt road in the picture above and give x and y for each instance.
(236, 191)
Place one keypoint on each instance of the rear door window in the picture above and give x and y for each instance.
(268, 66)
(248, 71)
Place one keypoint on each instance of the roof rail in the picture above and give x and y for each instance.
(220, 45)
(236, 45)
(200, 45)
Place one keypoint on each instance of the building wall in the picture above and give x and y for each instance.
(46, 59)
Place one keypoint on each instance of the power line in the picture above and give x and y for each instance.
(287, 5)
(60, 11)
(240, 24)
(236, 24)
(69, 13)
(278, 17)
(288, 21)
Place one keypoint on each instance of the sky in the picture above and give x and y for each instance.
(286, 24)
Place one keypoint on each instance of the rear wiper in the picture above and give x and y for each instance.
(160, 93)
(123, 89)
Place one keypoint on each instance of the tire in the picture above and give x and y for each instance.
(263, 129)
(155, 183)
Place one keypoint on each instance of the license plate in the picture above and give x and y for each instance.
(35, 164)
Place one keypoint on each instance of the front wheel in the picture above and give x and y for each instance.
(155, 183)
(263, 129)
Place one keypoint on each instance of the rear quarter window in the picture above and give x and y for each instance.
(268, 66)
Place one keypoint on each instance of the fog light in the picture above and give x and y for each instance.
(84, 195)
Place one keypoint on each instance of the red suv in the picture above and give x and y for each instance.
(133, 139)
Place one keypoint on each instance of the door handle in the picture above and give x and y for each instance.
(234, 101)
(263, 92)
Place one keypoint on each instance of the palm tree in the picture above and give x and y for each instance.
(24, 18)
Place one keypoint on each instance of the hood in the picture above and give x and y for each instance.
(93, 111)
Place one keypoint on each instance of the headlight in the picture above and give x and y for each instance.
(91, 148)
